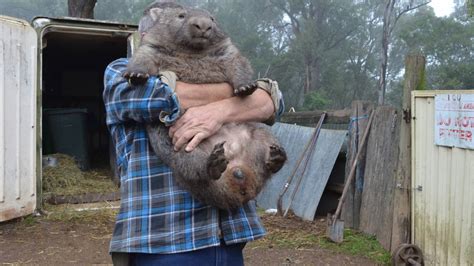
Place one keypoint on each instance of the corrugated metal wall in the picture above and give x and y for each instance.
(294, 138)
(443, 190)
(18, 68)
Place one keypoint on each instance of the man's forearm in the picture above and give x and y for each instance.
(191, 95)
(200, 122)
(257, 107)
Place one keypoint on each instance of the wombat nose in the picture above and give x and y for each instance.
(202, 25)
(238, 174)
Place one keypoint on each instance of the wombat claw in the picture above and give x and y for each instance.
(217, 163)
(246, 90)
(277, 158)
(136, 78)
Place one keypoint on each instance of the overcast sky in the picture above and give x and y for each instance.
(442, 7)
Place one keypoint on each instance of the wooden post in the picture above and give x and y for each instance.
(351, 207)
(414, 80)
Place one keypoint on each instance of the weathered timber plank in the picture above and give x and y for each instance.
(311, 118)
(351, 207)
(376, 213)
(414, 79)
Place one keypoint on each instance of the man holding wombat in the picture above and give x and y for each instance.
(159, 222)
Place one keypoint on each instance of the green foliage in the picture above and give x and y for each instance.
(27, 10)
(324, 54)
(394, 96)
(315, 101)
(359, 244)
(447, 45)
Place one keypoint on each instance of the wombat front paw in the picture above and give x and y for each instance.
(136, 78)
(245, 90)
(217, 163)
(276, 159)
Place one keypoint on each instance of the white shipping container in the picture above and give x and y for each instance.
(18, 79)
(50, 63)
(443, 189)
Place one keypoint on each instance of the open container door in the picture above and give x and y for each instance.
(18, 126)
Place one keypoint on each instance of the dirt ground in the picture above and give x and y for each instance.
(82, 237)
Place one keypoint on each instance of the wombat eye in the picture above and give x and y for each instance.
(212, 18)
(182, 15)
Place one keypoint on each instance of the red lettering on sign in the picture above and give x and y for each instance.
(468, 106)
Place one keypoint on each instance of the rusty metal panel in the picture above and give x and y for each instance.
(294, 139)
(18, 44)
(442, 190)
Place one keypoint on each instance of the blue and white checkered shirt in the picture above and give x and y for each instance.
(156, 215)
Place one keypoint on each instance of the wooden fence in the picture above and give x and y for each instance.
(379, 197)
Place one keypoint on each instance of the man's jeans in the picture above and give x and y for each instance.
(225, 255)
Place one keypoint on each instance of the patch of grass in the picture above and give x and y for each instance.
(26, 221)
(101, 218)
(359, 244)
(260, 211)
(29, 220)
(292, 233)
(288, 239)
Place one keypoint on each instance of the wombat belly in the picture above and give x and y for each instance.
(197, 70)
(243, 143)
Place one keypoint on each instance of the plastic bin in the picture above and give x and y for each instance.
(66, 132)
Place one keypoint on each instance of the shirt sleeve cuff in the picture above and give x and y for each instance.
(271, 87)
(169, 115)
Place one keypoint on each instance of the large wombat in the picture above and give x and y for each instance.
(229, 168)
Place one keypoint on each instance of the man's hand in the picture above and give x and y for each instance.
(201, 122)
(196, 124)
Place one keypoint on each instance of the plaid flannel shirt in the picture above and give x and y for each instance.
(156, 215)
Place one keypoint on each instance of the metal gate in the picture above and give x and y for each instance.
(18, 51)
(443, 185)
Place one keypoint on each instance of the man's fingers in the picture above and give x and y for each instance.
(171, 131)
(180, 142)
(179, 124)
(195, 142)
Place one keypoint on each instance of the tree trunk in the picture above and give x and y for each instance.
(308, 78)
(387, 17)
(81, 8)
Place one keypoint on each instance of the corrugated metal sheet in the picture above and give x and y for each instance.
(443, 190)
(18, 67)
(294, 138)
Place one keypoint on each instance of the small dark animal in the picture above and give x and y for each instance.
(231, 167)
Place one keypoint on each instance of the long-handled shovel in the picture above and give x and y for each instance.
(309, 147)
(335, 227)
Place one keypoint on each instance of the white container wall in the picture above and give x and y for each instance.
(442, 188)
(18, 51)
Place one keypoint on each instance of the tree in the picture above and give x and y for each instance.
(81, 8)
(27, 10)
(393, 10)
(446, 42)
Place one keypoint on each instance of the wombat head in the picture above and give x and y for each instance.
(185, 28)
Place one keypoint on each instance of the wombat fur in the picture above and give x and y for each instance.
(229, 168)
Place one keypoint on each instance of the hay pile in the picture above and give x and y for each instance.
(67, 179)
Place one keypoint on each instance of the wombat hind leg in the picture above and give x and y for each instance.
(276, 159)
(217, 163)
(246, 89)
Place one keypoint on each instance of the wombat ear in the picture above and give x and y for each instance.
(155, 13)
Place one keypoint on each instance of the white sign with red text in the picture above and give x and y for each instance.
(454, 120)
